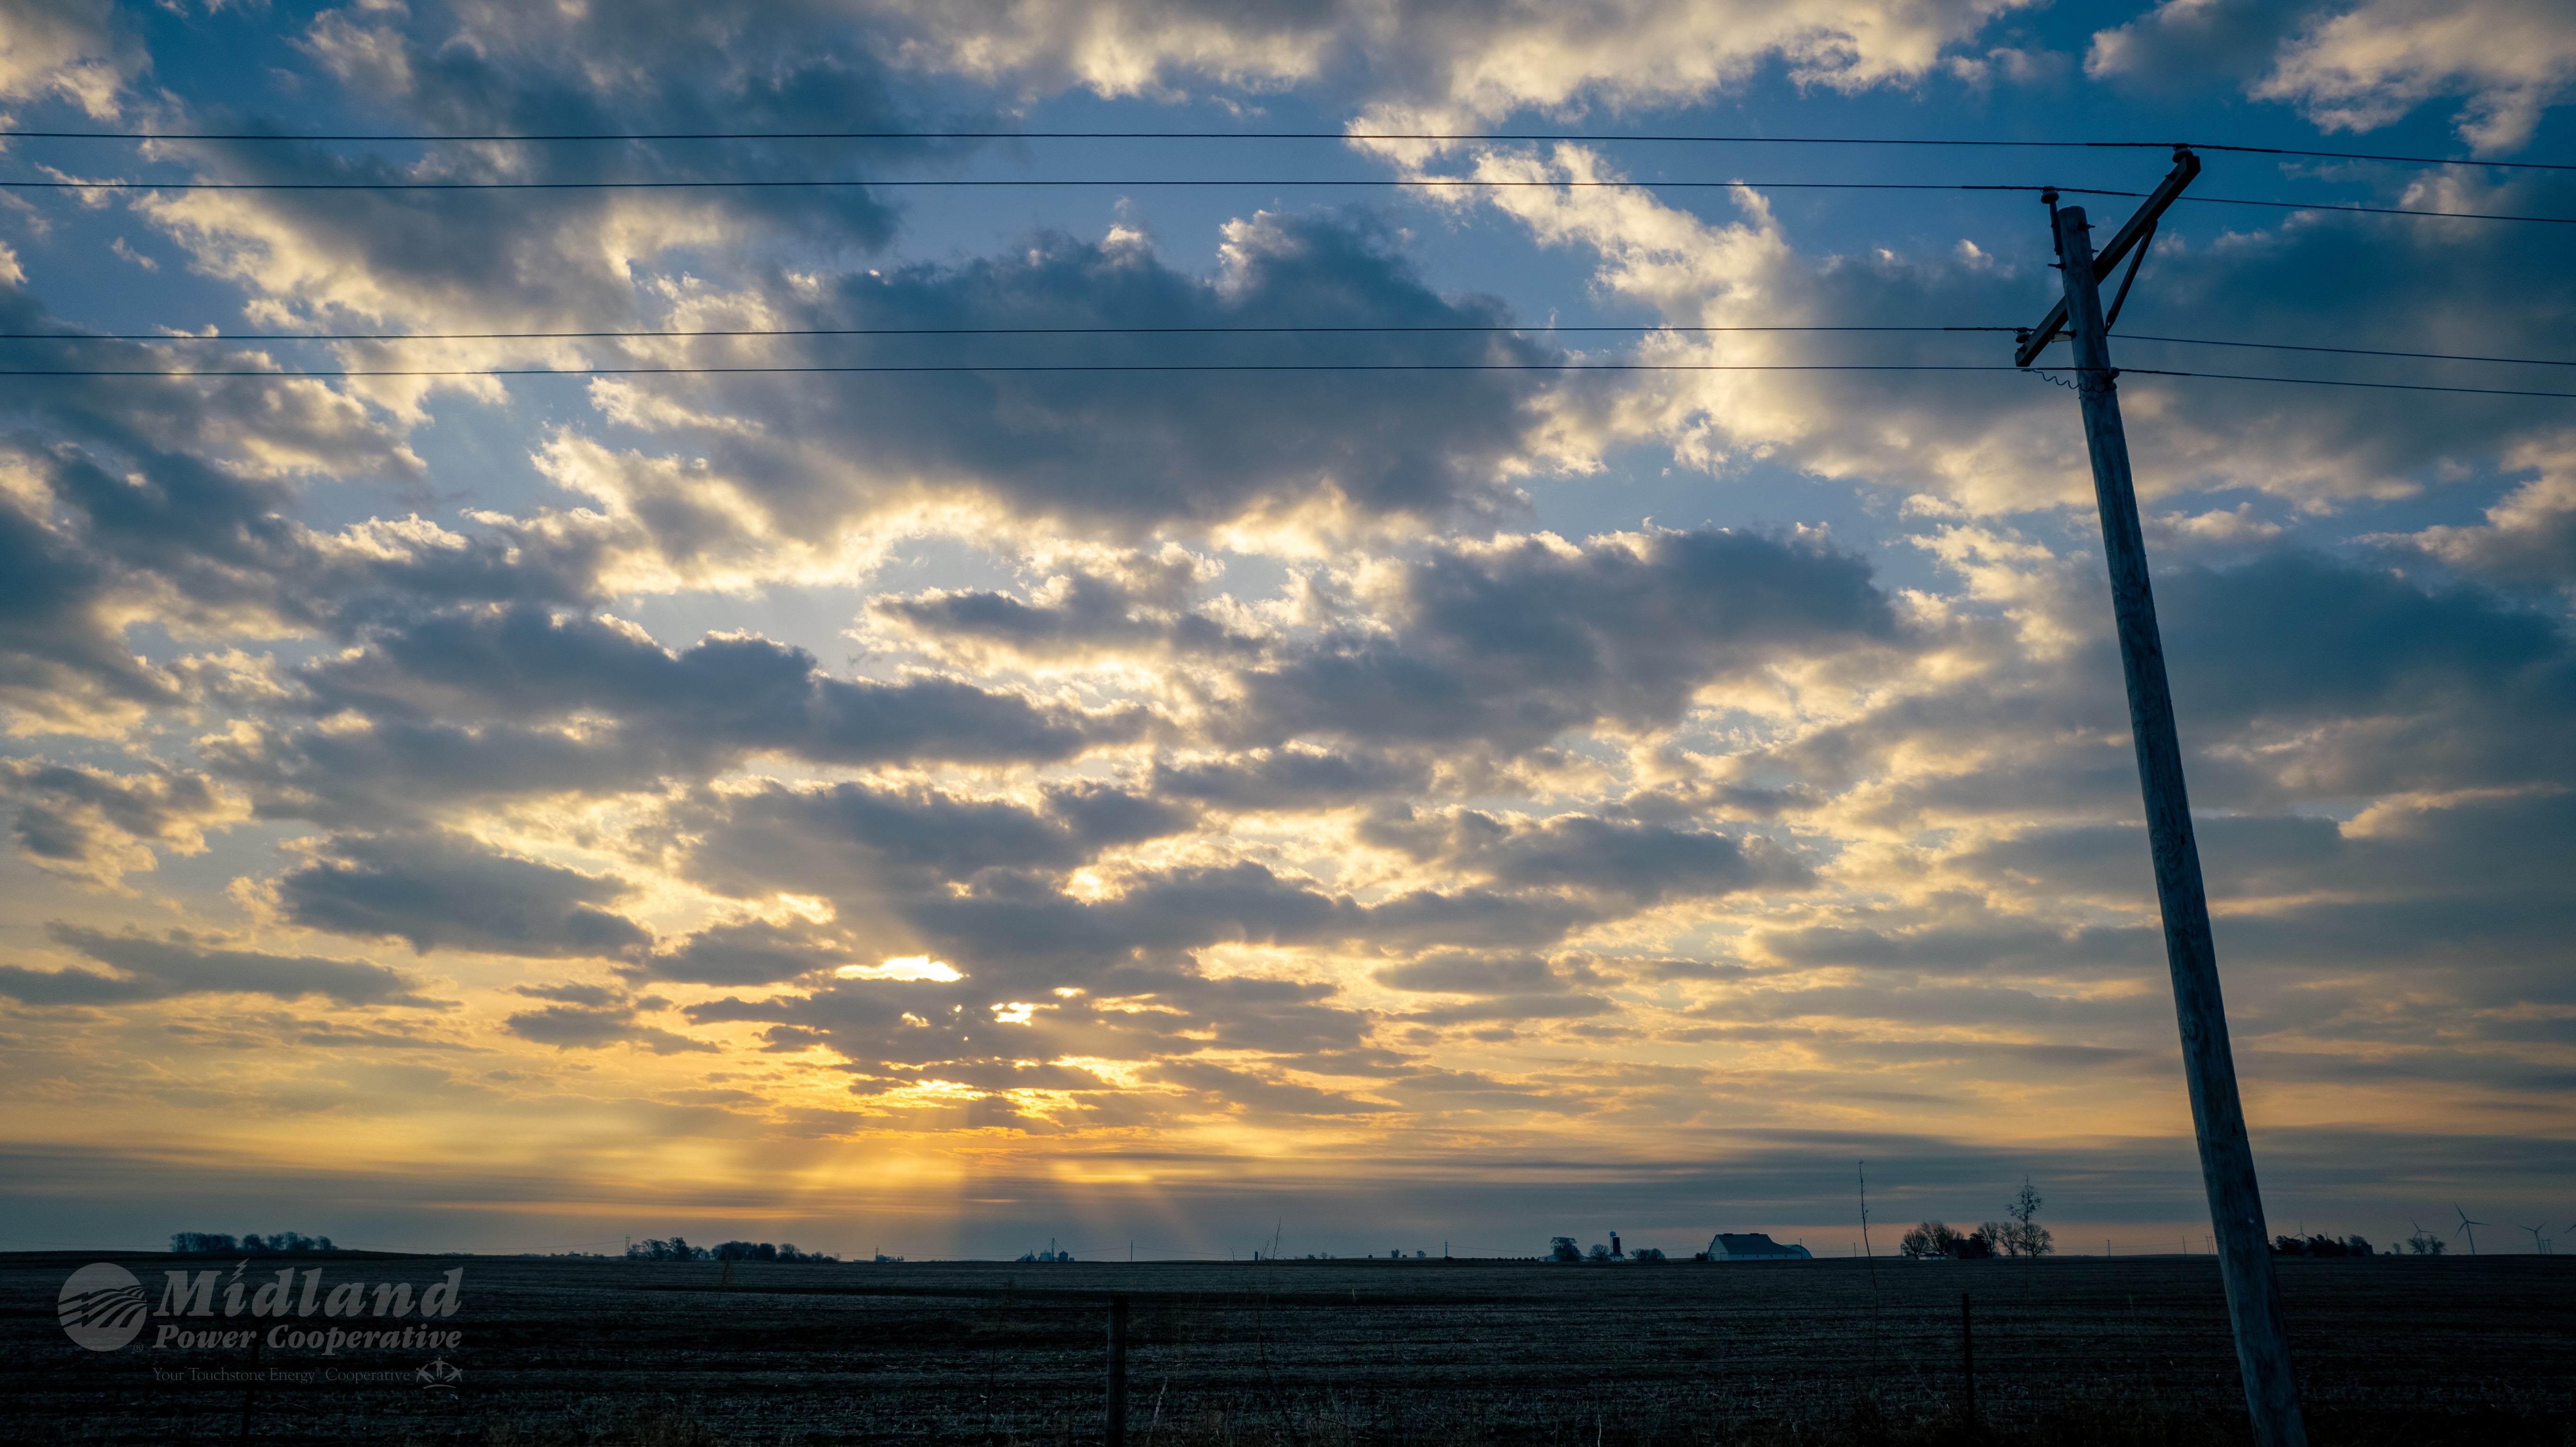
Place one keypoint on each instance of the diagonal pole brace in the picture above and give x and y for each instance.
(2131, 235)
(2137, 259)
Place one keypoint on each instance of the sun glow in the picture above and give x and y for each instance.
(902, 967)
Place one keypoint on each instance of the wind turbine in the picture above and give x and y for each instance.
(2539, 1247)
(2464, 1228)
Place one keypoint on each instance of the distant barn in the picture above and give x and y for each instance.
(1752, 1246)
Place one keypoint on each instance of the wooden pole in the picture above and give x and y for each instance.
(1117, 1424)
(2209, 1066)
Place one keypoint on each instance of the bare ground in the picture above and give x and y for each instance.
(1342, 1353)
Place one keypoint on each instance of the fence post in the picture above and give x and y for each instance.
(1117, 1424)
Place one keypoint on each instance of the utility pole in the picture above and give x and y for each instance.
(2209, 1066)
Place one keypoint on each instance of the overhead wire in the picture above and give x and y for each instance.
(334, 373)
(967, 368)
(2348, 351)
(2323, 382)
(1473, 137)
(924, 332)
(1624, 329)
(1434, 183)
(1418, 182)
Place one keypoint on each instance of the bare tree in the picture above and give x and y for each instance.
(2023, 1235)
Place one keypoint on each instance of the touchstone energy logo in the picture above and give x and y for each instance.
(439, 1376)
(103, 1306)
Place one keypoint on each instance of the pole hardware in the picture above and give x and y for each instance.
(2209, 1065)
(2132, 235)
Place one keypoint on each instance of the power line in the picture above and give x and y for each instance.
(1021, 182)
(915, 332)
(2360, 156)
(332, 372)
(2327, 382)
(350, 372)
(1434, 183)
(1469, 136)
(2350, 351)
(1534, 330)
(2323, 206)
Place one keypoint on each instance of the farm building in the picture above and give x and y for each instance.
(1752, 1246)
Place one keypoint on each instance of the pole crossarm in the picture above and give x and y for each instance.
(2140, 226)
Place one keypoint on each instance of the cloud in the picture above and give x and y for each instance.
(439, 890)
(1157, 1025)
(1433, 66)
(1584, 855)
(752, 952)
(1454, 973)
(723, 696)
(71, 50)
(1514, 642)
(2000, 444)
(594, 1017)
(581, 1027)
(871, 839)
(2357, 67)
(1972, 946)
(91, 825)
(440, 709)
(2529, 535)
(2298, 679)
(1510, 642)
(2363, 68)
(2335, 681)
(1215, 749)
(569, 258)
(771, 476)
(125, 500)
(62, 664)
(2183, 44)
(1504, 985)
(178, 964)
(2277, 877)
(1090, 606)
(1290, 778)
(1259, 1094)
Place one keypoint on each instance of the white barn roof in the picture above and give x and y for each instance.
(1752, 1246)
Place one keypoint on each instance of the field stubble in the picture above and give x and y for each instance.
(1343, 1353)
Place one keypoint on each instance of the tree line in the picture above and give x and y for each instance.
(202, 1243)
(2315, 1245)
(676, 1248)
(2020, 1235)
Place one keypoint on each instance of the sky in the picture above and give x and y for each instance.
(1192, 811)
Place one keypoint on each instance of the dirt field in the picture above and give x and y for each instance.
(1306, 1352)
